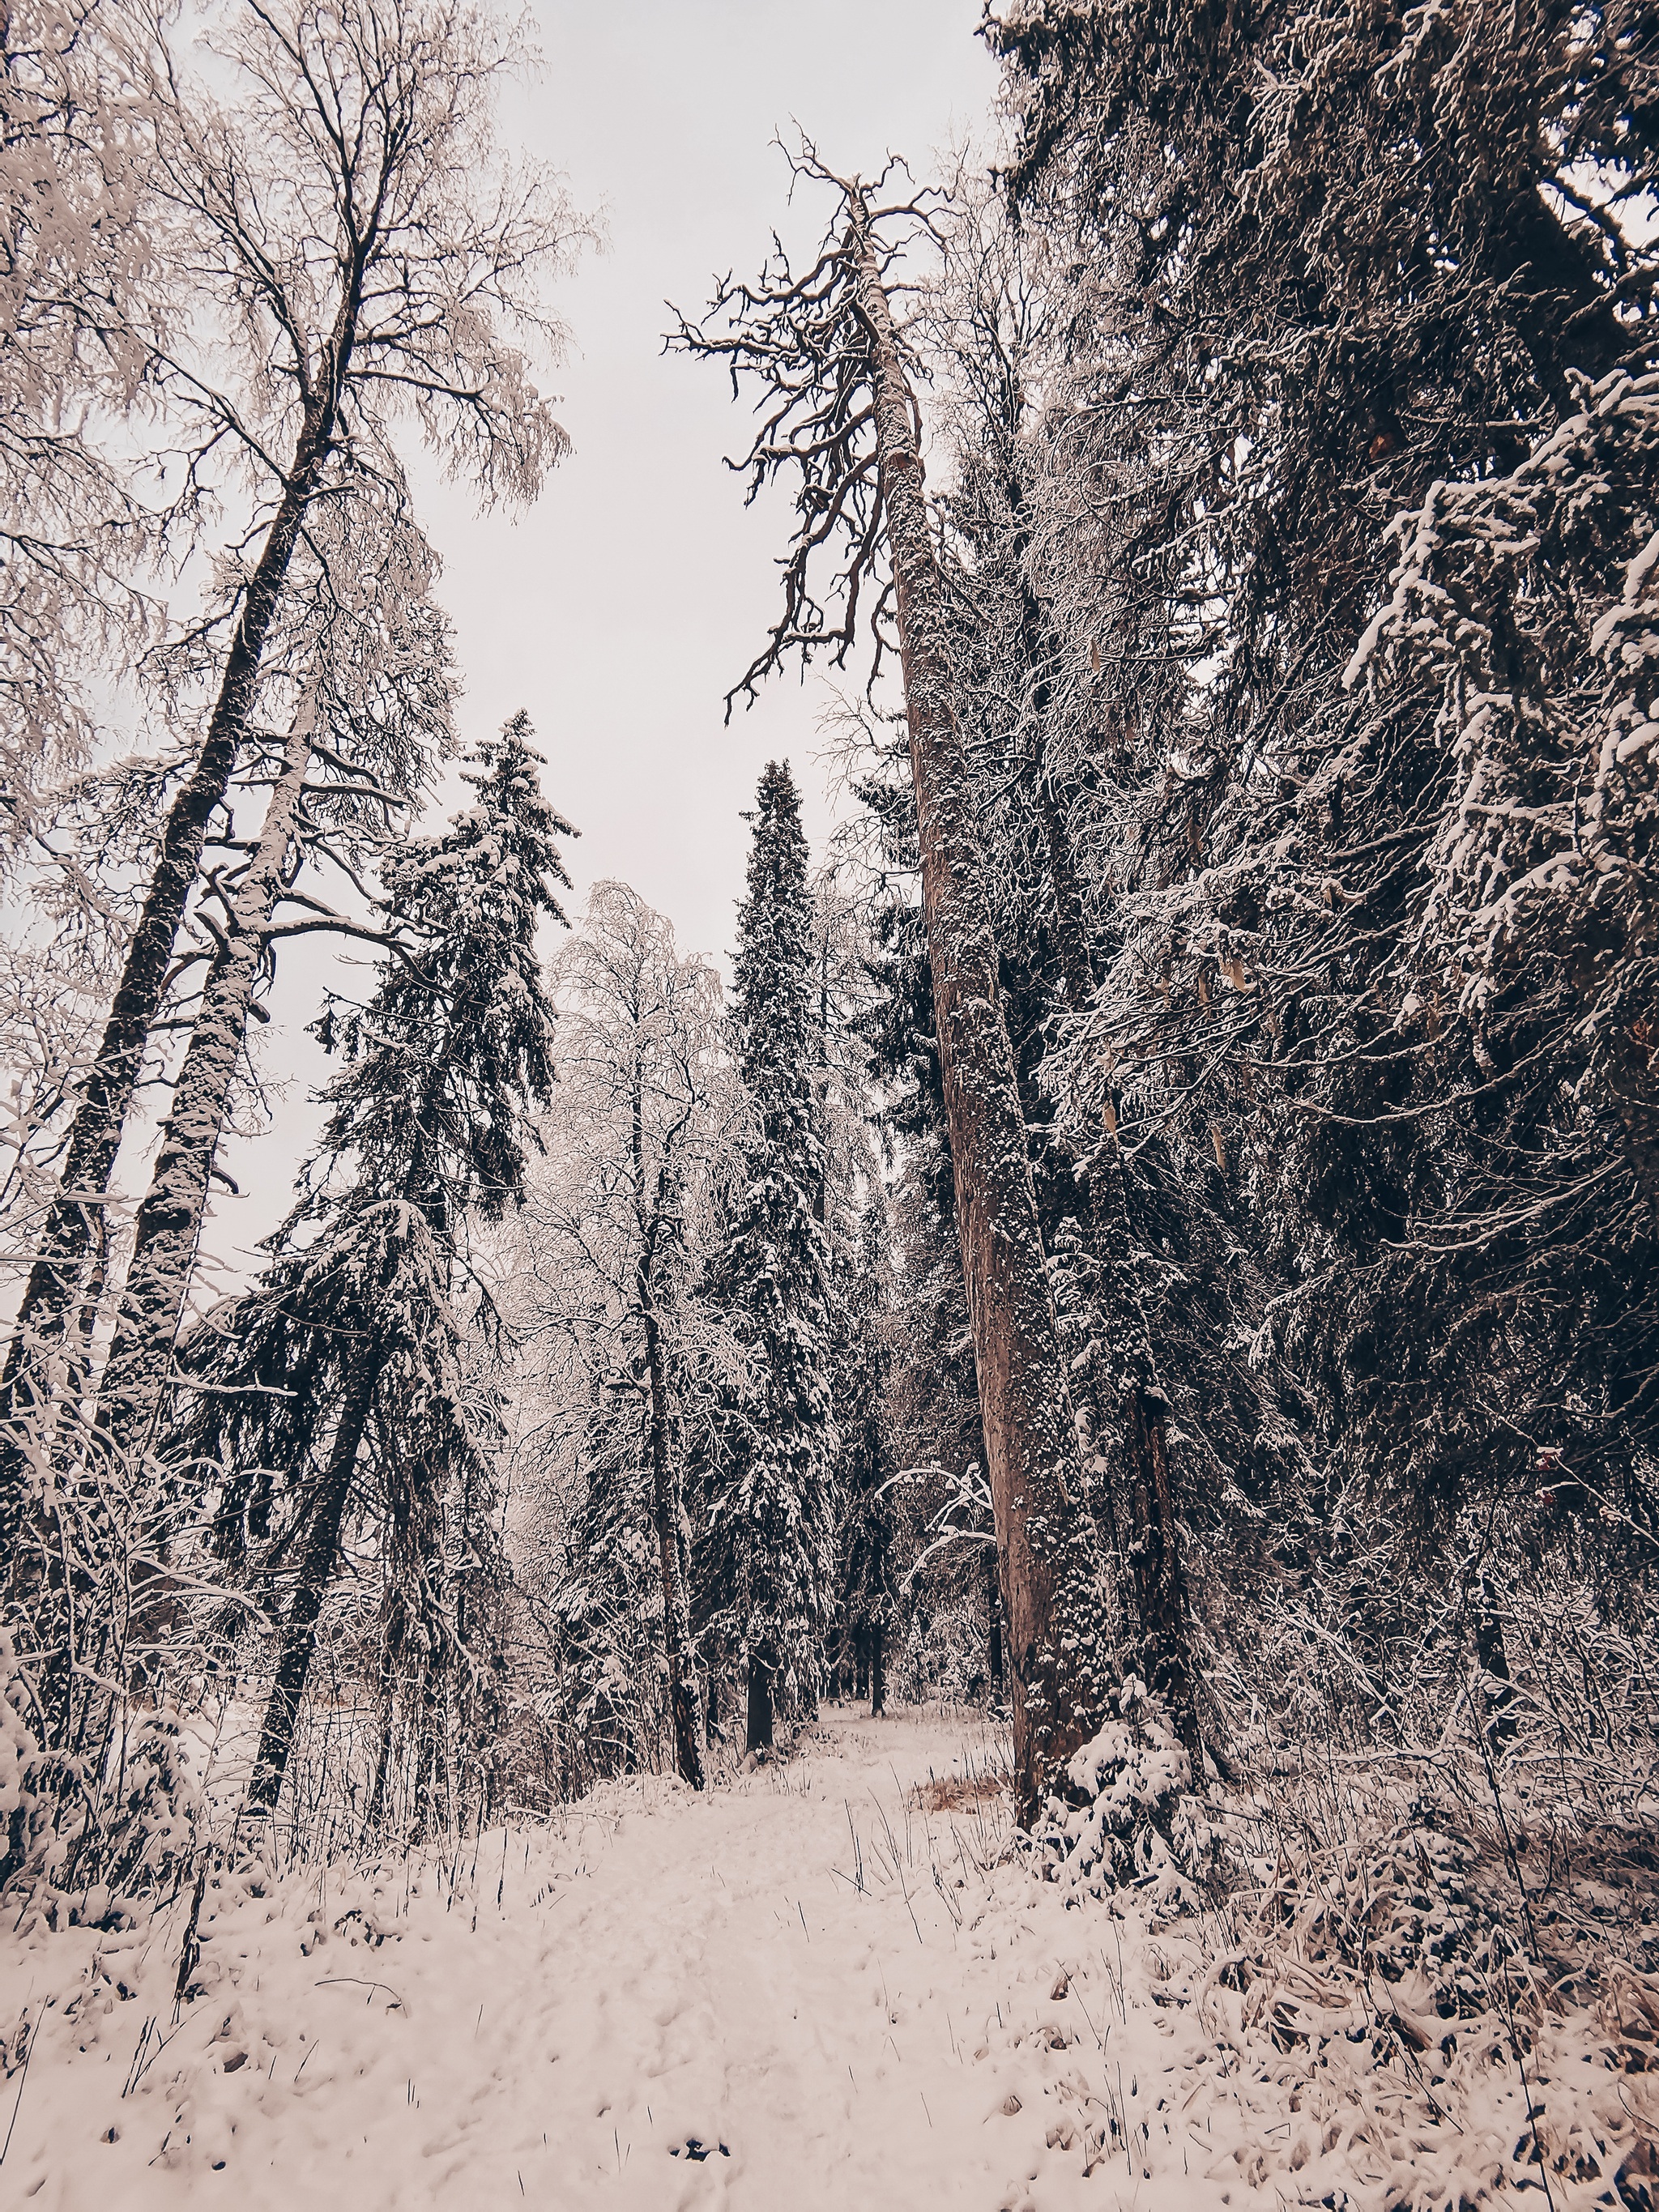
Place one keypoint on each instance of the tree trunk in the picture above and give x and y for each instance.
(878, 1671)
(322, 1548)
(683, 1690)
(95, 1138)
(994, 1656)
(1496, 1688)
(667, 1512)
(1045, 1537)
(375, 1814)
(1154, 1547)
(431, 1797)
(170, 1219)
(759, 1733)
(1565, 318)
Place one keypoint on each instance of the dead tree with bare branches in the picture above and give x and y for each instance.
(841, 423)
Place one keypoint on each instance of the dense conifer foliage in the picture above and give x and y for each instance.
(1148, 1248)
(771, 1507)
(352, 1342)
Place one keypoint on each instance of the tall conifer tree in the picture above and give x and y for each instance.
(351, 1339)
(773, 1502)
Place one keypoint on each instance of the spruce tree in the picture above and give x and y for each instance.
(773, 1504)
(353, 1336)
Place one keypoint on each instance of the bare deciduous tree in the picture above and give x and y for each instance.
(644, 1100)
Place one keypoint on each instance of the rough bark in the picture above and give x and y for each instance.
(170, 1219)
(317, 1560)
(994, 1605)
(1045, 1537)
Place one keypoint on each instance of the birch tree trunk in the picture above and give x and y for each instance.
(1046, 1540)
(95, 1139)
(170, 1219)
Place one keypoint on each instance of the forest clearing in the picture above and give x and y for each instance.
(996, 1544)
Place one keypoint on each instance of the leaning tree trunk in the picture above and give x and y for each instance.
(316, 1561)
(170, 1219)
(684, 1696)
(95, 1137)
(1046, 1540)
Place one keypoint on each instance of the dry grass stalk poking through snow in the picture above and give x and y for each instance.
(846, 1977)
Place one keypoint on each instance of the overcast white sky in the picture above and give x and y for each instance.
(623, 607)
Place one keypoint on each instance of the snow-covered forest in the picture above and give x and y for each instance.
(994, 1544)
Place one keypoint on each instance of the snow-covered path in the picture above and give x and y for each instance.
(808, 1977)
(805, 1975)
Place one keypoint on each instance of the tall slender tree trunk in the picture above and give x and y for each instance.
(685, 1694)
(684, 1697)
(54, 1284)
(170, 1219)
(375, 1814)
(431, 1796)
(1046, 1538)
(322, 1548)
(878, 1670)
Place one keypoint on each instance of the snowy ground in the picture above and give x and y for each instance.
(804, 1990)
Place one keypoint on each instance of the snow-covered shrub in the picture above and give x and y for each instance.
(150, 1810)
(1126, 1817)
(25, 1805)
(907, 1683)
(120, 1831)
(953, 1653)
(1404, 1888)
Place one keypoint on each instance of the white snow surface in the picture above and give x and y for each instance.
(815, 1975)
